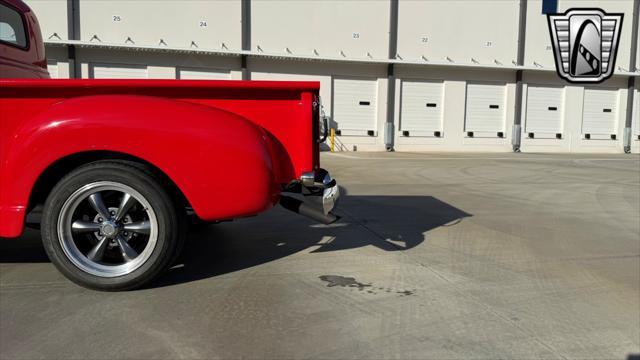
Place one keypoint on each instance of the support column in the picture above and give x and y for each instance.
(246, 36)
(389, 131)
(631, 83)
(73, 29)
(517, 121)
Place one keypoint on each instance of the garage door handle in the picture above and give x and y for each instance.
(552, 108)
(431, 105)
(365, 103)
(494, 106)
(606, 110)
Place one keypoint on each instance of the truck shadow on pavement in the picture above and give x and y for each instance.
(390, 223)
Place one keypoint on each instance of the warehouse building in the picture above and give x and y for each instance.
(437, 75)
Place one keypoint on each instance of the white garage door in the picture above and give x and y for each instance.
(485, 112)
(600, 111)
(544, 109)
(354, 106)
(52, 67)
(203, 74)
(112, 71)
(421, 107)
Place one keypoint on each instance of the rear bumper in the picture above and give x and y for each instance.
(316, 198)
(330, 198)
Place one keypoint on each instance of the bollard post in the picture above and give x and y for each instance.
(333, 138)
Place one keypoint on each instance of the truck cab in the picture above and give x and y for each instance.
(22, 52)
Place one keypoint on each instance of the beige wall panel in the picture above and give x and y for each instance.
(160, 65)
(52, 16)
(611, 6)
(324, 79)
(324, 72)
(268, 69)
(202, 74)
(353, 27)
(117, 71)
(538, 47)
(178, 23)
(57, 55)
(52, 68)
(538, 42)
(460, 29)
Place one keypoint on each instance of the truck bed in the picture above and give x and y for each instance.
(282, 108)
(166, 123)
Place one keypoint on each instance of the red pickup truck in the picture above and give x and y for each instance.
(118, 166)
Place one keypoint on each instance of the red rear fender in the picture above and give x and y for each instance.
(220, 161)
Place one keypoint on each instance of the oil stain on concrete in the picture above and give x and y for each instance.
(343, 281)
(351, 282)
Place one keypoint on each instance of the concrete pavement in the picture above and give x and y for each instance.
(437, 256)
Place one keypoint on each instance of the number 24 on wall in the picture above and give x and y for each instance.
(118, 18)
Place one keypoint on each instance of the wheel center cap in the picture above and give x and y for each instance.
(109, 229)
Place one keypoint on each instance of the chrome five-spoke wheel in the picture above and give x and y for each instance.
(112, 225)
(107, 229)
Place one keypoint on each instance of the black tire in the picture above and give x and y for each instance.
(168, 218)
